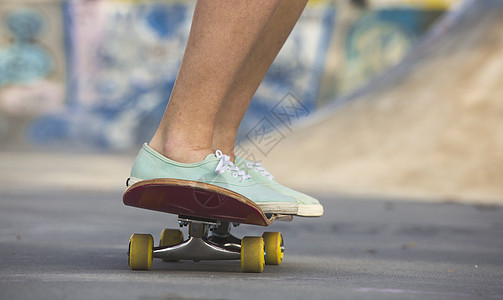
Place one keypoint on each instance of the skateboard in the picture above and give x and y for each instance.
(209, 212)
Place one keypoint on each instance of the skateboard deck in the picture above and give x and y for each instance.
(195, 199)
(205, 209)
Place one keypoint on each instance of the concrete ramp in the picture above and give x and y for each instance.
(430, 128)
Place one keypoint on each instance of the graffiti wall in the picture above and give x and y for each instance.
(32, 64)
(98, 74)
(370, 39)
(122, 62)
(123, 59)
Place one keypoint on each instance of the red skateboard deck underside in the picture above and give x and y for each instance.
(194, 199)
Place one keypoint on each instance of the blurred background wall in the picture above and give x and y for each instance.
(98, 74)
(377, 97)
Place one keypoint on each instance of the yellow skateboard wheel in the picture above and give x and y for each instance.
(170, 237)
(252, 254)
(140, 253)
(273, 248)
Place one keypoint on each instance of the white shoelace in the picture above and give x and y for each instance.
(225, 164)
(257, 167)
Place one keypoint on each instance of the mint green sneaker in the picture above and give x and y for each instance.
(308, 206)
(216, 169)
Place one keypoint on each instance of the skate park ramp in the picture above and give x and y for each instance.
(430, 128)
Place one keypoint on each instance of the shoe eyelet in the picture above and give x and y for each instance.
(235, 174)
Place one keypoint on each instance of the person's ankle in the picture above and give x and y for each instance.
(181, 153)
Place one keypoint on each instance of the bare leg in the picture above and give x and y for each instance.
(253, 71)
(221, 37)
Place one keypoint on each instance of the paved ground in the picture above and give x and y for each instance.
(63, 244)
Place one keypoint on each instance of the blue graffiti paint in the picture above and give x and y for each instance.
(25, 24)
(24, 60)
(163, 19)
(48, 130)
(379, 40)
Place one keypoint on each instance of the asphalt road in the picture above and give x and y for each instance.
(72, 245)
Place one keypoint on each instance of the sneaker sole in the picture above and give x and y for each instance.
(279, 208)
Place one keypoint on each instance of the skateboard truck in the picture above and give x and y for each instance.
(220, 246)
